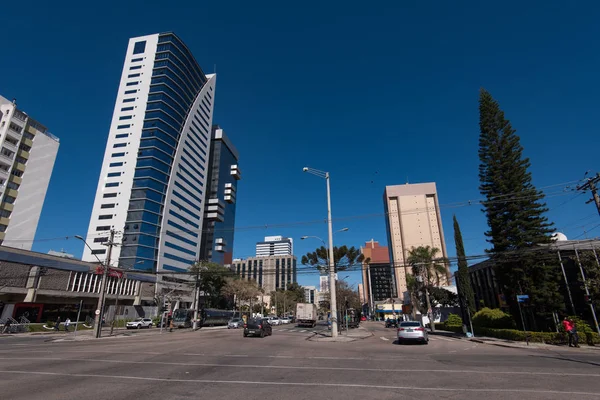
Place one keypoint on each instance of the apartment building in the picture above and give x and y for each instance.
(275, 246)
(270, 273)
(27, 155)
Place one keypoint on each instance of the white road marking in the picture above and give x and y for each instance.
(95, 360)
(302, 331)
(306, 384)
(446, 339)
(384, 338)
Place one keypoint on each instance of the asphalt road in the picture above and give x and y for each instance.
(221, 364)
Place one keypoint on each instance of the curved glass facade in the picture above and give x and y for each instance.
(176, 81)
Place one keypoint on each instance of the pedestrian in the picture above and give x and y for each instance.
(67, 323)
(57, 324)
(7, 326)
(571, 330)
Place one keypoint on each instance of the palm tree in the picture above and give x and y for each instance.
(424, 262)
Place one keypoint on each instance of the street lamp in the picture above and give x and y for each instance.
(334, 323)
(101, 297)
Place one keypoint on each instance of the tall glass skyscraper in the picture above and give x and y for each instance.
(152, 185)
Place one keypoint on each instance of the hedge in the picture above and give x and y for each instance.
(590, 338)
(493, 318)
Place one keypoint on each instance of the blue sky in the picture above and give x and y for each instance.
(375, 94)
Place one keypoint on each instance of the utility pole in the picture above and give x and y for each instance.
(196, 295)
(591, 186)
(587, 291)
(100, 309)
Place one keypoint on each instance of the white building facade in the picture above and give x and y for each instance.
(153, 178)
(275, 246)
(27, 155)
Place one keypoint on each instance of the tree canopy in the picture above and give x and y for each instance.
(344, 257)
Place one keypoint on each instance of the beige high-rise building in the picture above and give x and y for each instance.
(412, 219)
(270, 273)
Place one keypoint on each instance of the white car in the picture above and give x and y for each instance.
(286, 320)
(274, 321)
(140, 323)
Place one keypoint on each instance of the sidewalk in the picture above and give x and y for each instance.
(512, 344)
(351, 335)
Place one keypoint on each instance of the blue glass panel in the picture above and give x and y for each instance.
(179, 248)
(179, 237)
(139, 47)
(145, 252)
(144, 143)
(151, 173)
(156, 154)
(163, 93)
(183, 208)
(184, 219)
(149, 241)
(186, 162)
(152, 133)
(149, 183)
(152, 162)
(192, 195)
(149, 229)
(172, 268)
(182, 228)
(180, 259)
(155, 114)
(147, 194)
(187, 201)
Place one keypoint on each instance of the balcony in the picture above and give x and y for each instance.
(12, 193)
(4, 221)
(14, 133)
(230, 199)
(16, 179)
(27, 142)
(10, 146)
(220, 241)
(215, 216)
(235, 172)
(23, 153)
(20, 167)
(220, 248)
(7, 206)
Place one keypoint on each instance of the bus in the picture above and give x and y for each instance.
(183, 317)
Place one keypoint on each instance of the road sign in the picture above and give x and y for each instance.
(97, 312)
(522, 298)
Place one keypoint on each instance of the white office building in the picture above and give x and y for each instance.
(275, 246)
(27, 155)
(152, 185)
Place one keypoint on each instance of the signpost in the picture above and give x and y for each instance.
(523, 298)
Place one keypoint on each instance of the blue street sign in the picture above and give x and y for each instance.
(521, 298)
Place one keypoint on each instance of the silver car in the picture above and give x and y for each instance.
(235, 323)
(412, 331)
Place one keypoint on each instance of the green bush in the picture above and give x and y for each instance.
(454, 319)
(493, 318)
(534, 337)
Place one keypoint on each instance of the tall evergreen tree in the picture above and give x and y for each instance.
(464, 281)
(515, 211)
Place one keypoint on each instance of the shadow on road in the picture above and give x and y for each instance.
(563, 358)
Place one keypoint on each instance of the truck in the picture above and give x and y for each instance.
(306, 314)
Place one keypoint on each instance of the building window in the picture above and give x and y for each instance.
(103, 228)
(133, 75)
(122, 135)
(117, 154)
(112, 205)
(125, 117)
(127, 109)
(117, 145)
(12, 185)
(139, 47)
(109, 195)
(5, 213)
(123, 126)
(134, 68)
(137, 59)
(131, 92)
(99, 251)
(111, 184)
(9, 199)
(101, 240)
(115, 164)
(131, 83)
(130, 100)
(113, 174)
(105, 216)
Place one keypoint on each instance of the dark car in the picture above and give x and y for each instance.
(258, 327)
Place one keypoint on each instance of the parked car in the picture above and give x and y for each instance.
(412, 331)
(274, 321)
(235, 323)
(286, 320)
(140, 323)
(258, 327)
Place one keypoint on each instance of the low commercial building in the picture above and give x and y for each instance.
(40, 287)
